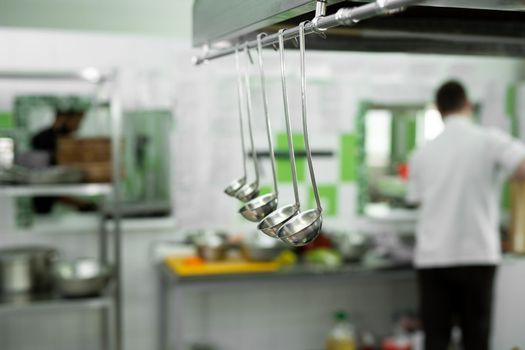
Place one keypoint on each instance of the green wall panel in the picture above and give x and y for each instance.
(265, 189)
(328, 196)
(6, 120)
(349, 157)
(284, 173)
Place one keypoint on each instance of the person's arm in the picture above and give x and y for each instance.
(519, 173)
(413, 197)
(509, 155)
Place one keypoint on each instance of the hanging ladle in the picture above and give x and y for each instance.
(273, 222)
(236, 185)
(259, 207)
(251, 190)
(305, 226)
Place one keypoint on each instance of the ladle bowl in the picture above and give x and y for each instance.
(273, 222)
(248, 192)
(302, 228)
(235, 186)
(258, 208)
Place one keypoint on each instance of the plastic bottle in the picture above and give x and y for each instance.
(342, 336)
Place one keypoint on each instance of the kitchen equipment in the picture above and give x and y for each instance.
(258, 208)
(236, 185)
(211, 246)
(81, 278)
(273, 222)
(261, 248)
(7, 152)
(251, 190)
(55, 175)
(351, 245)
(26, 269)
(33, 159)
(220, 267)
(306, 226)
(15, 273)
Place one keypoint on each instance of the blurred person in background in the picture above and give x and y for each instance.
(66, 124)
(456, 181)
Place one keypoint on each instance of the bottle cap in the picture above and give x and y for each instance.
(341, 315)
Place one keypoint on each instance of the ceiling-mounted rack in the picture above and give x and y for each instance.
(320, 23)
(460, 27)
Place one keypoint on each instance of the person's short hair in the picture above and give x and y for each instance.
(451, 97)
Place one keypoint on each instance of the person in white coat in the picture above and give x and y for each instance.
(456, 181)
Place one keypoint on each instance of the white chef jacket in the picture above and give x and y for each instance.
(456, 178)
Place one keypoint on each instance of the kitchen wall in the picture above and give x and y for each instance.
(170, 18)
(158, 73)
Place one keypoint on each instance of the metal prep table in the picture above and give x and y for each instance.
(172, 287)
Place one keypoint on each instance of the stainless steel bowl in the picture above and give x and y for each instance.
(81, 278)
(259, 207)
(274, 221)
(302, 228)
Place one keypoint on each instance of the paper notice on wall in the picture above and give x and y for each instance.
(493, 111)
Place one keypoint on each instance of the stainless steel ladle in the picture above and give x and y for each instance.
(251, 190)
(305, 226)
(236, 185)
(259, 207)
(273, 222)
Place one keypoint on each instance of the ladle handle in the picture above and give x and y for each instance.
(304, 112)
(239, 103)
(291, 151)
(249, 113)
(266, 114)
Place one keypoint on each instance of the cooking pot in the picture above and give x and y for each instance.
(211, 245)
(351, 245)
(26, 269)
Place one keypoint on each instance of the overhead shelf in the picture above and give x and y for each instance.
(88, 74)
(57, 190)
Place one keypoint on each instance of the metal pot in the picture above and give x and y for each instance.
(351, 245)
(211, 245)
(262, 248)
(26, 269)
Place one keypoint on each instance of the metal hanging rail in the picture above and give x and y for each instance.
(343, 17)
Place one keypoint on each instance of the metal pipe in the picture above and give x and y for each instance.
(305, 118)
(343, 17)
(116, 134)
(266, 114)
(320, 8)
(240, 98)
(291, 152)
(249, 113)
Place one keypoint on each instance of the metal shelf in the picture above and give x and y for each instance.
(56, 190)
(56, 304)
(88, 75)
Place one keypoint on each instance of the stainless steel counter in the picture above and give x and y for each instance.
(172, 286)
